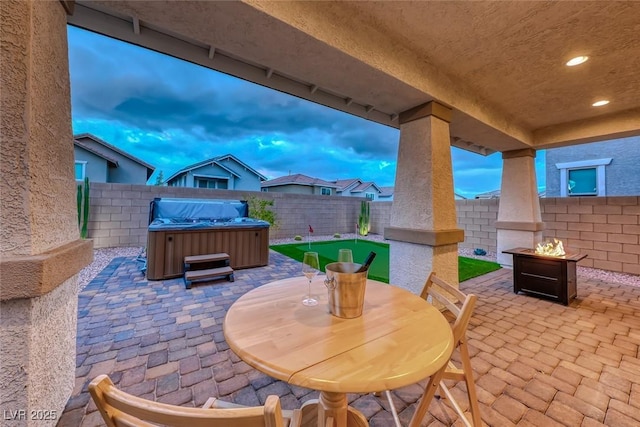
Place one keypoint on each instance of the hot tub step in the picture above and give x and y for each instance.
(222, 259)
(191, 276)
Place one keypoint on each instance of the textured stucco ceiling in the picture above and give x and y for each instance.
(499, 65)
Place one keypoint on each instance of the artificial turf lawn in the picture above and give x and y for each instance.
(379, 270)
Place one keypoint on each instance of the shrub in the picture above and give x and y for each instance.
(479, 251)
(336, 235)
(298, 238)
(260, 209)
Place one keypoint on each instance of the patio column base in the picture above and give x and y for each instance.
(417, 261)
(38, 337)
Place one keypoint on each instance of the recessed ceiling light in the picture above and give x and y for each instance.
(600, 103)
(577, 61)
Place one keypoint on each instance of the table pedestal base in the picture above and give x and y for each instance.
(334, 405)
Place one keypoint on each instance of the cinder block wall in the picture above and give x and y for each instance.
(605, 228)
(119, 213)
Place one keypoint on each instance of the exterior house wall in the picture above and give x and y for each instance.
(247, 180)
(622, 175)
(95, 167)
(212, 171)
(607, 229)
(128, 170)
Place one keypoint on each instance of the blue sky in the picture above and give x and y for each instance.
(171, 113)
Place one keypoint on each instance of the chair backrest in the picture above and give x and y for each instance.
(120, 409)
(459, 304)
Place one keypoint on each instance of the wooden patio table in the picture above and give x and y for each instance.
(399, 340)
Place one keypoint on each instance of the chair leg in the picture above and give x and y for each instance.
(427, 397)
(470, 382)
(392, 407)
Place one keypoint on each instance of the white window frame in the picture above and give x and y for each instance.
(209, 177)
(599, 164)
(84, 169)
(370, 196)
(322, 191)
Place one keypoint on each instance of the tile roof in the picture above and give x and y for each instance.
(298, 179)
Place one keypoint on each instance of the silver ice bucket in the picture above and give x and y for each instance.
(346, 289)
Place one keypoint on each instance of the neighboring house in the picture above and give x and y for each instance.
(495, 194)
(223, 172)
(386, 195)
(355, 187)
(102, 162)
(607, 168)
(300, 184)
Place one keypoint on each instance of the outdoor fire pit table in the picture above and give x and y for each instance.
(545, 276)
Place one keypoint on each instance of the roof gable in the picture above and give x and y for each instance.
(108, 147)
(365, 186)
(83, 146)
(218, 162)
(344, 184)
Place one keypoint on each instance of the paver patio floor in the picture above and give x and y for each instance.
(537, 363)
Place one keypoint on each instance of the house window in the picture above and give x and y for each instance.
(325, 191)
(583, 178)
(582, 182)
(370, 196)
(81, 168)
(218, 183)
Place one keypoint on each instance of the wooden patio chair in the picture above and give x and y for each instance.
(120, 409)
(460, 306)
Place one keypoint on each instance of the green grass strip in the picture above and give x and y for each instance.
(379, 270)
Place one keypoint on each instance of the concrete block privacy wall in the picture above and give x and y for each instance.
(605, 228)
(119, 213)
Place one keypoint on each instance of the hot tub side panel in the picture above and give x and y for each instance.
(166, 249)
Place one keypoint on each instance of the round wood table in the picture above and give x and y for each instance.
(399, 340)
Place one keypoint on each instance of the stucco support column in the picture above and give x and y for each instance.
(423, 231)
(519, 221)
(40, 253)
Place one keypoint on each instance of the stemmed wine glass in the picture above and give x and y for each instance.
(310, 268)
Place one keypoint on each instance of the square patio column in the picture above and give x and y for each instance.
(423, 230)
(40, 254)
(519, 221)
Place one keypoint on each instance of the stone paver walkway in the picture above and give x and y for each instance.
(537, 363)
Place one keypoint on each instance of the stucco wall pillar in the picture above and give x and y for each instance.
(423, 228)
(40, 254)
(519, 221)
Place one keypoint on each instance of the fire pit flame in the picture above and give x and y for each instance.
(554, 248)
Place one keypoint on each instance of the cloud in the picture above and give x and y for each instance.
(171, 113)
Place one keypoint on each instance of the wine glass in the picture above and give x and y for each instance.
(310, 268)
(345, 255)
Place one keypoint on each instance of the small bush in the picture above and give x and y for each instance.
(479, 251)
(336, 235)
(298, 238)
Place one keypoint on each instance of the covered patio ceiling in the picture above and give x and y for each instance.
(499, 65)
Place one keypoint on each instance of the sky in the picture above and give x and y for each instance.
(171, 113)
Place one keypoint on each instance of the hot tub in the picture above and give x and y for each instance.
(185, 227)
